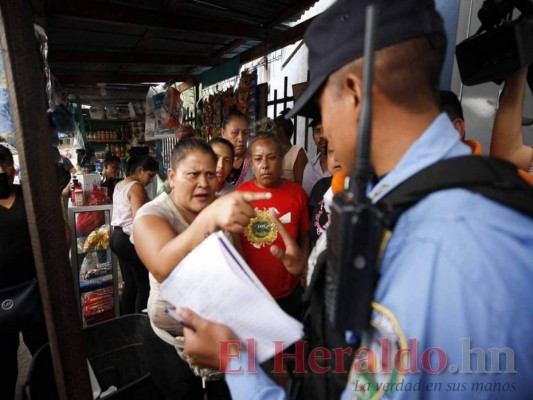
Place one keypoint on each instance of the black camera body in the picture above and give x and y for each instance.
(503, 46)
(493, 12)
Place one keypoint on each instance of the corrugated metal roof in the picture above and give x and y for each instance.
(132, 41)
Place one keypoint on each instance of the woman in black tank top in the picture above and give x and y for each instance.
(16, 266)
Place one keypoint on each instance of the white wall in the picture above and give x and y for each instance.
(479, 102)
(273, 72)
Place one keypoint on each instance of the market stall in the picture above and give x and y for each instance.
(108, 42)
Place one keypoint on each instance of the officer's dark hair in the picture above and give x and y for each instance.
(407, 73)
(450, 104)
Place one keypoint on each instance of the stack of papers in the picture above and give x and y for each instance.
(215, 282)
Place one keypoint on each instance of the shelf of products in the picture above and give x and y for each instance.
(107, 130)
(94, 266)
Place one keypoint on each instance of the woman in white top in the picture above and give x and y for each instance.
(164, 232)
(294, 157)
(129, 195)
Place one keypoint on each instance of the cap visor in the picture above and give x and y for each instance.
(306, 105)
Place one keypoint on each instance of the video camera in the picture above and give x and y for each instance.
(500, 46)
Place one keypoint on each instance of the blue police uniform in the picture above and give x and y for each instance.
(453, 303)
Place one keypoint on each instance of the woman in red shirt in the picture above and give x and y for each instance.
(262, 238)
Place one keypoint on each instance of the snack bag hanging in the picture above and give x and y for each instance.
(172, 109)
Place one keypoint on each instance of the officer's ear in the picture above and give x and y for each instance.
(459, 125)
(353, 88)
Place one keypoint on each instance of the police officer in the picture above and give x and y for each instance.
(451, 315)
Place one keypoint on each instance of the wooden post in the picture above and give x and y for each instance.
(28, 104)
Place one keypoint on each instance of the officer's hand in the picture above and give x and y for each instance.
(207, 343)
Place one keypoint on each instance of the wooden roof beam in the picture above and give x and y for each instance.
(104, 57)
(174, 5)
(93, 93)
(93, 79)
(146, 39)
(101, 11)
(229, 47)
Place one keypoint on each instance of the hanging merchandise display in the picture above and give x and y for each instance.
(185, 130)
(244, 91)
(208, 116)
(199, 118)
(228, 100)
(252, 99)
(217, 110)
(164, 112)
(217, 104)
(154, 100)
(172, 108)
(62, 115)
(135, 109)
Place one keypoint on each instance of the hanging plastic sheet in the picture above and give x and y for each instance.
(164, 112)
(59, 106)
(42, 39)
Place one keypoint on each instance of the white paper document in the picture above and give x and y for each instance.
(215, 282)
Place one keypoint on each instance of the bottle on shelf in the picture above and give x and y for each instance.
(73, 184)
(77, 193)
